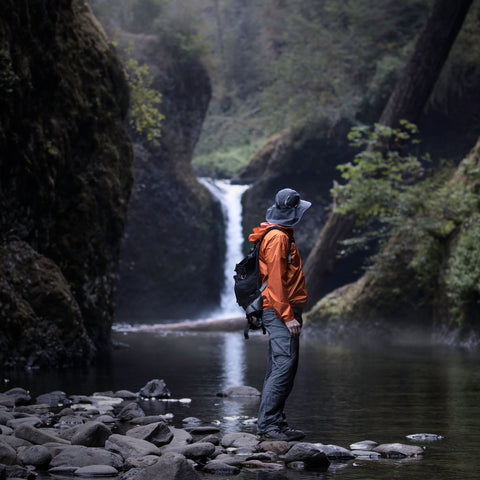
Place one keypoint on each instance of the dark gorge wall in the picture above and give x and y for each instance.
(171, 261)
(65, 180)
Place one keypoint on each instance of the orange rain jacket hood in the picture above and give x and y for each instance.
(285, 281)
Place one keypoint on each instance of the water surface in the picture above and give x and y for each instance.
(343, 394)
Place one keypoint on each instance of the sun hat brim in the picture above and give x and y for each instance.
(288, 217)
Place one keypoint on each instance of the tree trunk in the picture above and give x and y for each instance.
(406, 102)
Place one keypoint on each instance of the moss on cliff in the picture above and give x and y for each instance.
(66, 178)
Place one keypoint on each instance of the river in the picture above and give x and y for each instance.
(343, 394)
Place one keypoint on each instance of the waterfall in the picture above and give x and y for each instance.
(230, 197)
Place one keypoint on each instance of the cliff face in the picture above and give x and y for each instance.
(65, 179)
(171, 260)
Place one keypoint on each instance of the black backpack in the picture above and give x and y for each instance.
(248, 290)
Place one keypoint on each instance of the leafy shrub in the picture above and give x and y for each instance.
(436, 215)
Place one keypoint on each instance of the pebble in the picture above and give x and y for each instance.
(108, 434)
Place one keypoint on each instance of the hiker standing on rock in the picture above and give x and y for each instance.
(283, 300)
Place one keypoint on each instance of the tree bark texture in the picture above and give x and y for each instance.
(407, 102)
(425, 64)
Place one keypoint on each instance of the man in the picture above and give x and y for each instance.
(283, 300)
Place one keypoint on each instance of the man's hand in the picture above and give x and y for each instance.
(294, 328)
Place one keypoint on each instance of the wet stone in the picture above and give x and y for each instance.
(398, 450)
(216, 467)
(363, 445)
(96, 471)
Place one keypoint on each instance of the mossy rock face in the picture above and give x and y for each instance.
(172, 255)
(42, 324)
(66, 178)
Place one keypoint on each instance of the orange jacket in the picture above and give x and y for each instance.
(285, 281)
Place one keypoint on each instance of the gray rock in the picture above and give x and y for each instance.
(63, 470)
(105, 419)
(297, 466)
(130, 411)
(130, 446)
(363, 445)
(239, 440)
(146, 420)
(125, 394)
(219, 468)
(157, 433)
(195, 451)
(366, 454)
(7, 400)
(231, 459)
(8, 455)
(307, 453)
(19, 395)
(16, 472)
(180, 437)
(54, 399)
(37, 409)
(36, 436)
(96, 471)
(37, 455)
(215, 439)
(15, 442)
(92, 434)
(5, 430)
(66, 421)
(263, 456)
(334, 452)
(155, 389)
(172, 466)
(259, 465)
(141, 462)
(239, 391)
(277, 446)
(80, 456)
(5, 417)
(192, 421)
(424, 437)
(69, 433)
(27, 420)
(398, 450)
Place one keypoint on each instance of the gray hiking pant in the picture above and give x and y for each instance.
(281, 369)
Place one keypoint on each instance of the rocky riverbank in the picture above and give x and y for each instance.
(108, 434)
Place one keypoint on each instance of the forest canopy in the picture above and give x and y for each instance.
(276, 63)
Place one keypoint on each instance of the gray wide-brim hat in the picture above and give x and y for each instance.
(288, 209)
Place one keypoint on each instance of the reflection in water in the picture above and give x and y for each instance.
(233, 357)
(233, 360)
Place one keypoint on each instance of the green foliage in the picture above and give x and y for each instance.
(225, 163)
(435, 219)
(145, 116)
(379, 180)
(463, 275)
